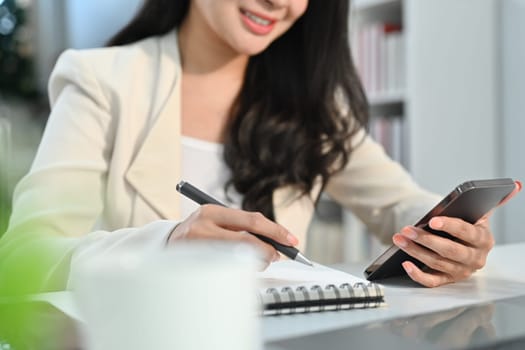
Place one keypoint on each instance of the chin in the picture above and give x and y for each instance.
(252, 45)
(252, 50)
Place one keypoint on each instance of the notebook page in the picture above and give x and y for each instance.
(291, 273)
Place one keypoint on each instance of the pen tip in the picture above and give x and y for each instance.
(179, 186)
(302, 259)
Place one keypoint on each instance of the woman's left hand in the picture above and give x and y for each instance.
(448, 260)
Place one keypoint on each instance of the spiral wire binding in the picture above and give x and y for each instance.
(317, 298)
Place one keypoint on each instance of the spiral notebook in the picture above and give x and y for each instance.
(288, 287)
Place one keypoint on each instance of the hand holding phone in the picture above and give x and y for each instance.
(469, 202)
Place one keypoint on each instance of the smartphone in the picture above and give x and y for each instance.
(469, 201)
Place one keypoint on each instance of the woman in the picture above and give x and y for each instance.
(255, 101)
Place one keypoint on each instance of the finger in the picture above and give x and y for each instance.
(433, 260)
(444, 247)
(471, 235)
(240, 220)
(268, 252)
(208, 230)
(427, 279)
(485, 218)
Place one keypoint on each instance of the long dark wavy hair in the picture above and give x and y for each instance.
(300, 104)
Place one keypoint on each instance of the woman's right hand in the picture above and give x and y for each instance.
(215, 222)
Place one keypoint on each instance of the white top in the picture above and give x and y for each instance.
(203, 166)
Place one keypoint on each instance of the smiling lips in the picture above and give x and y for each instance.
(257, 23)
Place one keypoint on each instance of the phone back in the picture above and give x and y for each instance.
(469, 201)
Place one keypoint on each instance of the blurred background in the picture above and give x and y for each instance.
(444, 78)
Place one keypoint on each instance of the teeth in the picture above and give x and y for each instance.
(258, 20)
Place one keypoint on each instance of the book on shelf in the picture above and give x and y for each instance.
(379, 56)
(388, 131)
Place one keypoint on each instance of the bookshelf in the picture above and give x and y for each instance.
(448, 101)
(448, 104)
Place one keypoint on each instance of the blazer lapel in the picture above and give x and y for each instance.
(155, 170)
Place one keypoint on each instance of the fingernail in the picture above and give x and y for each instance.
(436, 223)
(292, 239)
(400, 241)
(407, 267)
(409, 233)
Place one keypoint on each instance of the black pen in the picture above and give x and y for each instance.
(201, 198)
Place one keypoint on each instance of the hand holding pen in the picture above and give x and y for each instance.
(215, 221)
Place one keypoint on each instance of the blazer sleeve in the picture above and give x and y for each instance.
(378, 190)
(56, 204)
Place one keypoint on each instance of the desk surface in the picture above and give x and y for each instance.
(487, 308)
(499, 324)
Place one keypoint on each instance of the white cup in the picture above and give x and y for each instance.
(194, 296)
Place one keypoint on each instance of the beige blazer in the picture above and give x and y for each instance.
(105, 174)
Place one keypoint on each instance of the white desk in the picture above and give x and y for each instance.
(495, 296)
(502, 278)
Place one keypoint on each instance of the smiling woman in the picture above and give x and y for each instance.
(256, 102)
(276, 101)
(246, 26)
